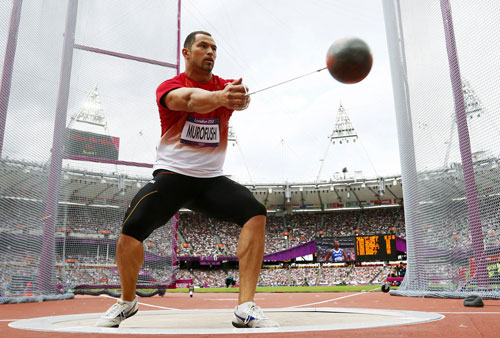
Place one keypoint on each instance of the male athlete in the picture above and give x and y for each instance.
(337, 254)
(195, 107)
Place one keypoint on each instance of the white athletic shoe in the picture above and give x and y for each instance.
(252, 317)
(118, 313)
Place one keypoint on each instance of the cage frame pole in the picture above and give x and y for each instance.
(415, 277)
(8, 67)
(178, 66)
(47, 255)
(473, 209)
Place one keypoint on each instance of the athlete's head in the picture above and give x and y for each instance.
(200, 52)
(336, 245)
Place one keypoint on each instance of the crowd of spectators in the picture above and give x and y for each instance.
(304, 276)
(368, 275)
(379, 221)
(227, 233)
(199, 233)
(13, 265)
(208, 237)
(91, 220)
(340, 223)
(90, 270)
(334, 275)
(367, 221)
(74, 275)
(275, 241)
(21, 218)
(302, 227)
(272, 277)
(203, 236)
(297, 276)
(211, 278)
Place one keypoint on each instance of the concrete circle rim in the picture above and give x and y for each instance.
(49, 324)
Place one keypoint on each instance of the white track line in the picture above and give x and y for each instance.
(334, 299)
(8, 320)
(157, 306)
(231, 298)
(469, 313)
(145, 304)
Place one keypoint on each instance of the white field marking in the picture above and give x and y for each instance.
(231, 298)
(145, 304)
(470, 313)
(333, 299)
(158, 307)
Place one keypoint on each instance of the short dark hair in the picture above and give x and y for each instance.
(190, 38)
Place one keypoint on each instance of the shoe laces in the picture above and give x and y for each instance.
(116, 309)
(254, 312)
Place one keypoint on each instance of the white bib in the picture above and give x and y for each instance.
(203, 132)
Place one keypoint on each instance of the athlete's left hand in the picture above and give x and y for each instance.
(246, 103)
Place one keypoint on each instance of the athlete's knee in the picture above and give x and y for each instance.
(257, 209)
(253, 210)
(132, 231)
(126, 242)
(261, 210)
(257, 221)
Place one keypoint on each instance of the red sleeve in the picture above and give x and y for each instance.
(167, 86)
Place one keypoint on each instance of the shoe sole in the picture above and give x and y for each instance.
(240, 326)
(243, 326)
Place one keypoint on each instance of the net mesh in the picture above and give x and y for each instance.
(77, 138)
(447, 106)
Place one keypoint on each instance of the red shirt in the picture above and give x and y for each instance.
(188, 144)
(169, 117)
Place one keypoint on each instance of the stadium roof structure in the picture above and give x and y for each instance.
(23, 180)
(28, 181)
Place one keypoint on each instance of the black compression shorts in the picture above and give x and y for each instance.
(217, 197)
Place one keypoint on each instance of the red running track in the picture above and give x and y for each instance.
(459, 321)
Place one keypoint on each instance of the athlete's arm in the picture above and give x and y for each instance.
(328, 255)
(203, 101)
(345, 256)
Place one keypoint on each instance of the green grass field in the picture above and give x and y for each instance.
(290, 289)
(280, 289)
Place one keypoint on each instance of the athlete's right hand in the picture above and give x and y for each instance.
(234, 95)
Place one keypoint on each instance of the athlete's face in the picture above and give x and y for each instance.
(202, 53)
(336, 245)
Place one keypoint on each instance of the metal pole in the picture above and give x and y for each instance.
(415, 278)
(47, 259)
(179, 37)
(64, 243)
(465, 149)
(8, 66)
(124, 56)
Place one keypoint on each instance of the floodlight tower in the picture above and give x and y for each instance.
(343, 132)
(91, 112)
(233, 139)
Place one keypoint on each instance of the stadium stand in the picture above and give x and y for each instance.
(203, 234)
(86, 235)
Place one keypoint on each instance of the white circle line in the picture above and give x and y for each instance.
(393, 318)
(470, 313)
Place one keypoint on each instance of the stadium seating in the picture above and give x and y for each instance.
(84, 263)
